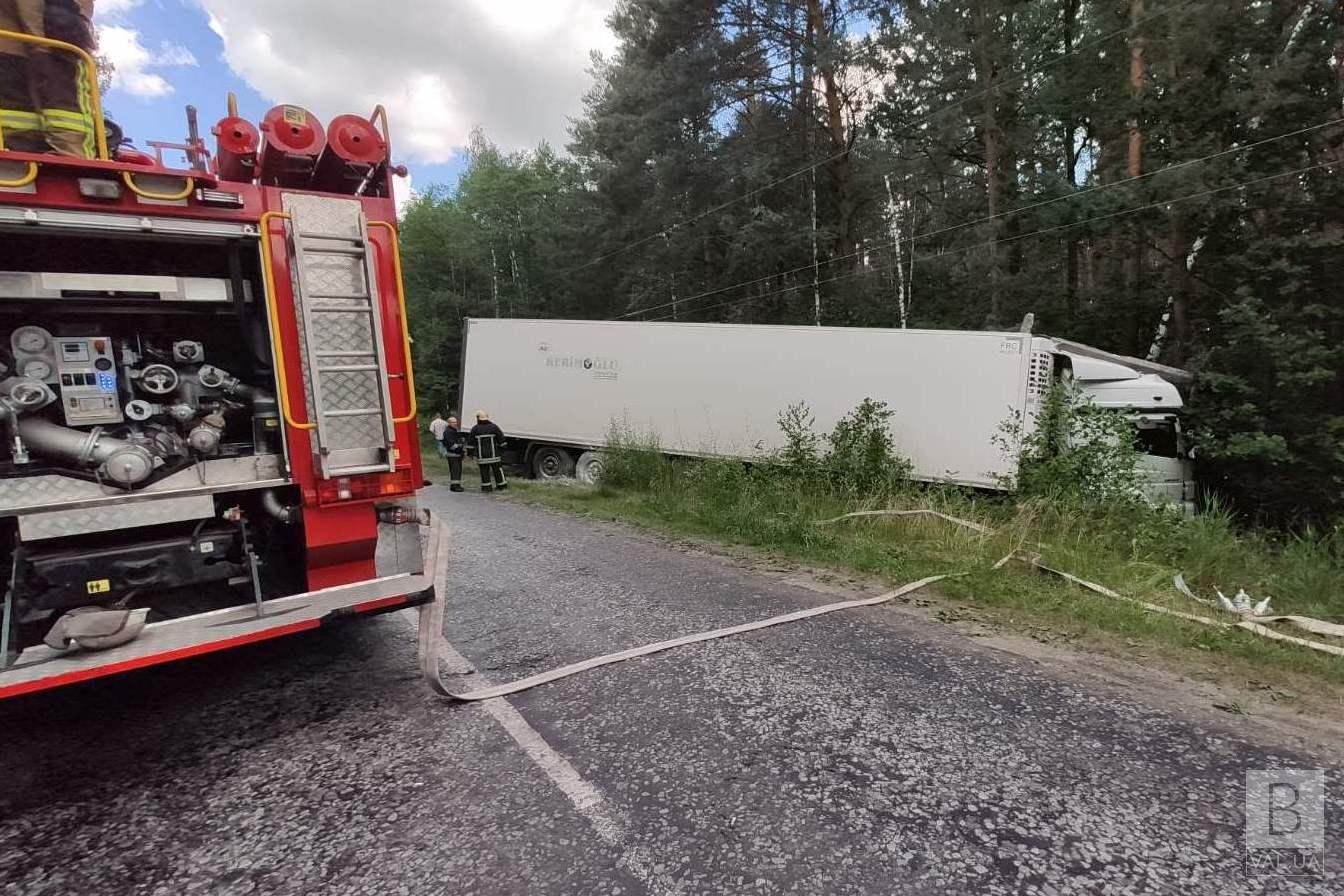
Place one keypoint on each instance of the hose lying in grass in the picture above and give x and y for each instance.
(1315, 626)
(965, 524)
(1256, 628)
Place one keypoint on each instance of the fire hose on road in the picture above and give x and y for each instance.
(432, 643)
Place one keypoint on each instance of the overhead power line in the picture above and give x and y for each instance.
(994, 86)
(1035, 233)
(951, 228)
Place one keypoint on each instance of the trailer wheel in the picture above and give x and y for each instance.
(589, 467)
(552, 462)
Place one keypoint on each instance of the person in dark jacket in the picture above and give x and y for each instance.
(486, 440)
(453, 449)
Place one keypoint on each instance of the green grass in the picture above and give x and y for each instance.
(1135, 551)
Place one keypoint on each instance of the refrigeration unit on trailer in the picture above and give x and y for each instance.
(559, 387)
(207, 403)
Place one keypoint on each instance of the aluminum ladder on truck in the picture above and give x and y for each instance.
(340, 319)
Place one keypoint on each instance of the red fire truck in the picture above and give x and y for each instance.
(206, 395)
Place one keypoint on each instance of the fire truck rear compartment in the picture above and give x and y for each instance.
(138, 407)
(173, 570)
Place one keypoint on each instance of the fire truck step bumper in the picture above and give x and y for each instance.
(40, 667)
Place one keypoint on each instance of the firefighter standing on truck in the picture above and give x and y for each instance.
(451, 442)
(486, 440)
(45, 104)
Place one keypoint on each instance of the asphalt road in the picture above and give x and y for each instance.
(861, 752)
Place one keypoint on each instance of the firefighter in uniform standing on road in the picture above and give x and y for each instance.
(453, 449)
(45, 104)
(486, 439)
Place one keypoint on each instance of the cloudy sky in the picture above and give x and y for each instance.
(517, 68)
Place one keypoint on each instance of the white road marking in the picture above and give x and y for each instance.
(586, 798)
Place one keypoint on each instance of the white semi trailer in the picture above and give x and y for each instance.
(558, 387)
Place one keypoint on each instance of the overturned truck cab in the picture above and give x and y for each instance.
(1150, 394)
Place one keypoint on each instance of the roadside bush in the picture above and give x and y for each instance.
(801, 454)
(633, 461)
(859, 459)
(862, 460)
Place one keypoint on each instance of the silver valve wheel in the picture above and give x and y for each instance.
(158, 379)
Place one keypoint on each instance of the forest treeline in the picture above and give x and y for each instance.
(1154, 177)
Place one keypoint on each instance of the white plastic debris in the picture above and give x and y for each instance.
(1241, 603)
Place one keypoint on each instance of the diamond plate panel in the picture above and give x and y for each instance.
(336, 275)
(354, 432)
(355, 440)
(351, 391)
(61, 523)
(324, 214)
(331, 274)
(339, 331)
(43, 492)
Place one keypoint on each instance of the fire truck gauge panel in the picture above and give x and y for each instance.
(88, 380)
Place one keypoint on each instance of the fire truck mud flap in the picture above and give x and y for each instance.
(42, 667)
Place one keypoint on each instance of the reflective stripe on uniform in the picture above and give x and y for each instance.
(70, 121)
(86, 107)
(14, 122)
(487, 452)
(78, 122)
(17, 120)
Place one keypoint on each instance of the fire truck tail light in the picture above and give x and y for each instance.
(364, 488)
(97, 188)
(219, 198)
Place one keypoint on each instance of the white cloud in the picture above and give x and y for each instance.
(517, 68)
(111, 8)
(403, 191)
(134, 64)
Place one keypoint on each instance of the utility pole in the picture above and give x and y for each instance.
(910, 281)
(985, 16)
(671, 279)
(809, 112)
(1138, 78)
(816, 263)
(894, 220)
(517, 280)
(494, 278)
